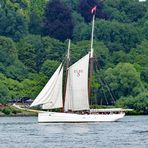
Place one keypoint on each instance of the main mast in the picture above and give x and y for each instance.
(91, 51)
(67, 65)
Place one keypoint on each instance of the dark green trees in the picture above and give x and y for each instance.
(8, 52)
(9, 63)
(39, 49)
(12, 23)
(34, 52)
(118, 36)
(58, 21)
(85, 6)
(36, 15)
(125, 11)
(124, 80)
(138, 103)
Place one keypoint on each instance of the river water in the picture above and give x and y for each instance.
(25, 132)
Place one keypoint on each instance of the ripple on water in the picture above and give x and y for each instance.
(25, 132)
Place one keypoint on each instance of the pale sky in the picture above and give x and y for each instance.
(142, 0)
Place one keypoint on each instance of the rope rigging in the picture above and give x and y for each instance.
(104, 84)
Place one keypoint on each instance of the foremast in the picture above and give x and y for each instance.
(67, 65)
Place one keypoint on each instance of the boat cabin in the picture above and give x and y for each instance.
(107, 111)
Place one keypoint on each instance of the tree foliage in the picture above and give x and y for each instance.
(58, 21)
(49, 66)
(12, 23)
(34, 53)
(139, 102)
(85, 6)
(124, 80)
(118, 36)
(125, 11)
(36, 16)
(8, 52)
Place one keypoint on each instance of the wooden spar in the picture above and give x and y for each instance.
(27, 109)
(90, 76)
(67, 65)
(91, 57)
(92, 37)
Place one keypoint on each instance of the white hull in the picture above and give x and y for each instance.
(54, 117)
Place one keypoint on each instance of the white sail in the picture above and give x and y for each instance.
(45, 96)
(77, 86)
(55, 98)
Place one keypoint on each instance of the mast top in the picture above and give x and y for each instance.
(92, 37)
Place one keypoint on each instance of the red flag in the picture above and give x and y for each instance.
(93, 10)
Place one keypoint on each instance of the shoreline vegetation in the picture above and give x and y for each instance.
(11, 111)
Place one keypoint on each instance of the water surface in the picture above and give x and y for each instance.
(25, 132)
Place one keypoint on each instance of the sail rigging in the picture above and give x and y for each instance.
(77, 88)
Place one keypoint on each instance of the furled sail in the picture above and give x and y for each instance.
(77, 86)
(51, 94)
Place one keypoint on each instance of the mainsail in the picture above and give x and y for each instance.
(77, 86)
(51, 95)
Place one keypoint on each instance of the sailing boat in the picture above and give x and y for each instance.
(75, 103)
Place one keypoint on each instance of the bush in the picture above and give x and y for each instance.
(7, 111)
(15, 111)
(138, 103)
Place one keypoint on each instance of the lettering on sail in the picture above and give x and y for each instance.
(78, 72)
